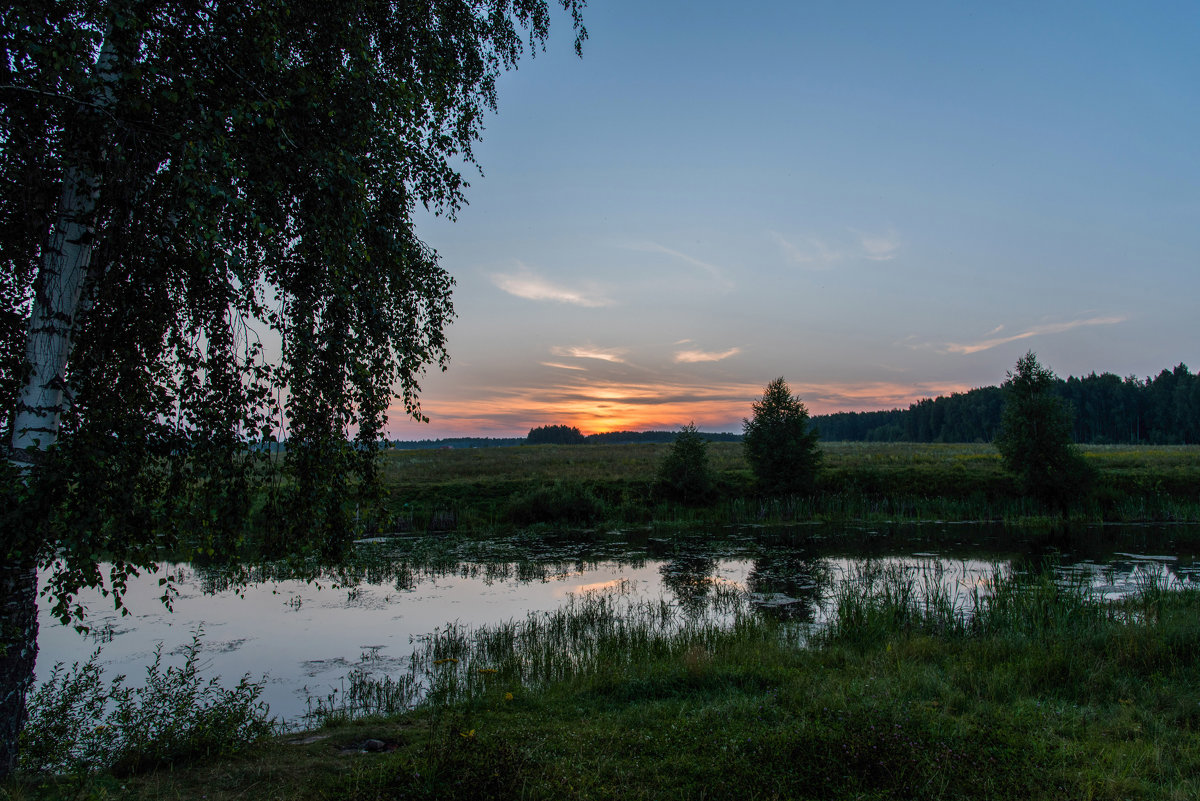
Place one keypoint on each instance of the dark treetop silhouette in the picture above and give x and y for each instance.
(174, 178)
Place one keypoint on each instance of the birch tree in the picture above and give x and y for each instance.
(206, 242)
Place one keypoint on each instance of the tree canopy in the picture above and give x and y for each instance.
(779, 443)
(206, 243)
(1108, 409)
(555, 435)
(1035, 435)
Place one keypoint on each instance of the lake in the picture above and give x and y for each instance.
(305, 637)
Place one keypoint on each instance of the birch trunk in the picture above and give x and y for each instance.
(18, 652)
(39, 413)
(58, 290)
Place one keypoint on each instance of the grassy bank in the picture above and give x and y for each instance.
(1032, 690)
(596, 485)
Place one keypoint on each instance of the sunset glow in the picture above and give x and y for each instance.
(595, 408)
(880, 203)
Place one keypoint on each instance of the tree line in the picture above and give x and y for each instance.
(781, 444)
(1107, 409)
(570, 435)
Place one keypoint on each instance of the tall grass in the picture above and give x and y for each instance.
(880, 600)
(600, 634)
(595, 633)
(79, 724)
(1024, 685)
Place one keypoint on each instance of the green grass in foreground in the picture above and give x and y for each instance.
(613, 485)
(1044, 692)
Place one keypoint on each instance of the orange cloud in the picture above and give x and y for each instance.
(692, 356)
(591, 352)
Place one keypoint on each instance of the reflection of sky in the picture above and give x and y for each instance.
(306, 638)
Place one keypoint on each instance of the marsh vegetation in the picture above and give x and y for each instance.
(1023, 685)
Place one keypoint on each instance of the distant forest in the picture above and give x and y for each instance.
(537, 436)
(1108, 409)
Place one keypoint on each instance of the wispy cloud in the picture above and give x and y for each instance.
(563, 366)
(592, 405)
(879, 247)
(817, 253)
(857, 396)
(713, 270)
(616, 355)
(811, 252)
(1037, 330)
(525, 284)
(690, 356)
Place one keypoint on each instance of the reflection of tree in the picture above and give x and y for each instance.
(689, 575)
(1187, 575)
(793, 575)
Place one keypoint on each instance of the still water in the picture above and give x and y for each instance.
(304, 637)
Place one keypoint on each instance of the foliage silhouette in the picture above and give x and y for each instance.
(1109, 409)
(1035, 436)
(175, 178)
(555, 435)
(684, 474)
(779, 444)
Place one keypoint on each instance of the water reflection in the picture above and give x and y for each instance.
(789, 583)
(306, 626)
(689, 576)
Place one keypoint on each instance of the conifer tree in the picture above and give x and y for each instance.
(779, 443)
(684, 474)
(1035, 440)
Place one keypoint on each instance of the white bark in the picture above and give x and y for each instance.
(65, 263)
(59, 286)
(40, 405)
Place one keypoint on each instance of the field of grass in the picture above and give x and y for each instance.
(1032, 690)
(596, 485)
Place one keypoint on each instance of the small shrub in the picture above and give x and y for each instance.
(78, 725)
(684, 474)
(561, 502)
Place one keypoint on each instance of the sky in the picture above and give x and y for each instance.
(877, 201)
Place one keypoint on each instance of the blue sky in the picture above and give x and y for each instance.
(878, 201)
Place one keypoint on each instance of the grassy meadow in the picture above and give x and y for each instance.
(595, 485)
